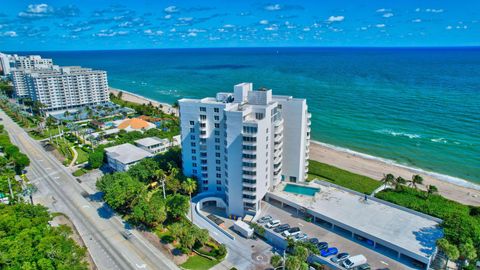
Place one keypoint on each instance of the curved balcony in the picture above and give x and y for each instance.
(278, 138)
(250, 200)
(250, 169)
(278, 122)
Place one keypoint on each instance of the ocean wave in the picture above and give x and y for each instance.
(442, 177)
(398, 133)
(439, 140)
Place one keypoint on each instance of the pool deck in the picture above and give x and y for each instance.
(405, 231)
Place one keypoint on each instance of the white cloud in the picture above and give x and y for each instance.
(380, 10)
(363, 28)
(171, 9)
(306, 29)
(417, 10)
(273, 27)
(192, 34)
(273, 7)
(263, 22)
(380, 25)
(168, 17)
(150, 32)
(449, 27)
(9, 34)
(186, 19)
(336, 18)
(40, 8)
(388, 15)
(416, 20)
(229, 26)
(432, 10)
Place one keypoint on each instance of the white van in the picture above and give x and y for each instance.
(354, 261)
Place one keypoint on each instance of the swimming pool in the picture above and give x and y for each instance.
(309, 191)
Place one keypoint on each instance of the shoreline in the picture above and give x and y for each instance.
(450, 187)
(136, 98)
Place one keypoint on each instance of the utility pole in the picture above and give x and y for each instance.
(163, 188)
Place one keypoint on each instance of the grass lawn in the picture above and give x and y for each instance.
(198, 263)
(46, 134)
(82, 156)
(341, 177)
(79, 172)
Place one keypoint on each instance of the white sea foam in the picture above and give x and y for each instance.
(398, 133)
(439, 140)
(439, 176)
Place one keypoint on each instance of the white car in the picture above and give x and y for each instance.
(272, 224)
(300, 237)
(292, 232)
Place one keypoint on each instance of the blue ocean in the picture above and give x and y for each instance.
(417, 107)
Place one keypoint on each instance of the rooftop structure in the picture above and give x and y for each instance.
(153, 145)
(241, 144)
(402, 230)
(135, 124)
(121, 157)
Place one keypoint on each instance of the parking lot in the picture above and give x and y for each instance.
(378, 259)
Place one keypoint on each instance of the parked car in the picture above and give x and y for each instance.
(272, 224)
(329, 251)
(300, 237)
(291, 232)
(264, 219)
(281, 228)
(313, 241)
(127, 234)
(364, 266)
(340, 257)
(354, 261)
(322, 245)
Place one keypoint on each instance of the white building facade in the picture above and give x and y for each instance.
(240, 145)
(62, 88)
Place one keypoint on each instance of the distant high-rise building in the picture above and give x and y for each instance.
(62, 88)
(240, 145)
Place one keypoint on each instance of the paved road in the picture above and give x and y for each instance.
(101, 234)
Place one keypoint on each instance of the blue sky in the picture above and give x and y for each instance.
(107, 24)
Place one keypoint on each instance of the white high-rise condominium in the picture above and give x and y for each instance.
(240, 145)
(62, 88)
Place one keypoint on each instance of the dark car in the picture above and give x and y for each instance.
(281, 228)
(340, 257)
(313, 241)
(364, 266)
(322, 245)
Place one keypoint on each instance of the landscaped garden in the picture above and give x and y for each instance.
(139, 197)
(360, 183)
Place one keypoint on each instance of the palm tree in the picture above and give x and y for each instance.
(160, 176)
(190, 186)
(388, 179)
(431, 189)
(416, 180)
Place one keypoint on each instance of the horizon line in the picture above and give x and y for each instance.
(260, 47)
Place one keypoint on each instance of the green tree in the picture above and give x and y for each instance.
(190, 186)
(144, 170)
(388, 179)
(416, 180)
(276, 261)
(188, 240)
(451, 251)
(120, 192)
(160, 178)
(201, 236)
(29, 242)
(21, 161)
(467, 250)
(95, 158)
(177, 230)
(293, 263)
(177, 205)
(431, 189)
(301, 253)
(150, 211)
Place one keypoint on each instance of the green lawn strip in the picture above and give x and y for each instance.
(341, 177)
(197, 262)
(79, 172)
(82, 155)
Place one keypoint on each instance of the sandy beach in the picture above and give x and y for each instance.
(128, 96)
(464, 192)
(452, 188)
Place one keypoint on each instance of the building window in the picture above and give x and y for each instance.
(192, 130)
(204, 168)
(203, 117)
(216, 110)
(192, 123)
(204, 175)
(194, 158)
(193, 144)
(219, 175)
(218, 169)
(216, 117)
(205, 182)
(217, 161)
(219, 189)
(217, 147)
(192, 137)
(203, 154)
(217, 125)
(194, 164)
(217, 154)
(217, 140)
(194, 171)
(194, 151)
(217, 133)
(205, 188)
(204, 161)
(203, 109)
(293, 179)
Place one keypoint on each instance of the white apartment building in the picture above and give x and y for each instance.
(4, 64)
(11, 62)
(62, 88)
(240, 145)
